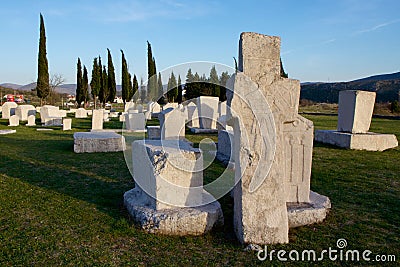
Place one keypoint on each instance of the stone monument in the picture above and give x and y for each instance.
(272, 147)
(97, 119)
(354, 120)
(8, 109)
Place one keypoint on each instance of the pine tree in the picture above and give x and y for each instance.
(95, 84)
(283, 73)
(189, 76)
(172, 92)
(214, 80)
(112, 85)
(160, 91)
(222, 81)
(179, 99)
(42, 85)
(79, 93)
(85, 86)
(126, 81)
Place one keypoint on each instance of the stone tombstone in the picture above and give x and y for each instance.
(13, 120)
(8, 109)
(135, 122)
(31, 120)
(153, 107)
(67, 123)
(23, 111)
(193, 119)
(207, 107)
(129, 105)
(154, 132)
(147, 115)
(106, 114)
(122, 116)
(170, 105)
(222, 109)
(172, 124)
(48, 111)
(97, 119)
(355, 111)
(260, 212)
(81, 113)
(139, 108)
(225, 144)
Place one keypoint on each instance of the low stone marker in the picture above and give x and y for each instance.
(98, 141)
(67, 124)
(354, 119)
(168, 195)
(8, 109)
(193, 115)
(135, 122)
(53, 121)
(172, 124)
(207, 107)
(80, 113)
(7, 131)
(154, 132)
(23, 111)
(97, 119)
(31, 120)
(13, 120)
(53, 115)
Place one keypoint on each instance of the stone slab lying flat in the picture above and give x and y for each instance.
(178, 221)
(300, 214)
(203, 131)
(7, 131)
(90, 142)
(368, 141)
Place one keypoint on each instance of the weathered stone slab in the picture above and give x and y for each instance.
(8, 109)
(13, 120)
(355, 111)
(31, 120)
(207, 107)
(368, 141)
(67, 123)
(90, 142)
(153, 107)
(80, 113)
(135, 122)
(154, 132)
(48, 111)
(177, 221)
(225, 144)
(314, 211)
(193, 115)
(23, 111)
(170, 105)
(169, 171)
(222, 106)
(97, 119)
(172, 124)
(7, 131)
(53, 121)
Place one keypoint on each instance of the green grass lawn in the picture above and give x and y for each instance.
(62, 208)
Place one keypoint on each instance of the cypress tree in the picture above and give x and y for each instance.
(103, 94)
(152, 73)
(214, 80)
(160, 91)
(222, 81)
(85, 86)
(42, 85)
(180, 91)
(79, 94)
(112, 85)
(135, 87)
(96, 81)
(125, 77)
(143, 95)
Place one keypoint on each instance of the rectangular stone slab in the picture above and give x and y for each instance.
(90, 142)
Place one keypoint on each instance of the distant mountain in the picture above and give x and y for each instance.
(10, 85)
(386, 86)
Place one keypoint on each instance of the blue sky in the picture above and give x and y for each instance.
(322, 40)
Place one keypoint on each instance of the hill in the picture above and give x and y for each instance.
(386, 86)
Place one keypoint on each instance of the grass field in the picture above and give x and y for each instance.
(61, 208)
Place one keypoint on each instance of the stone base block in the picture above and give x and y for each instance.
(367, 141)
(300, 214)
(177, 221)
(7, 131)
(53, 121)
(154, 132)
(89, 142)
(203, 131)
